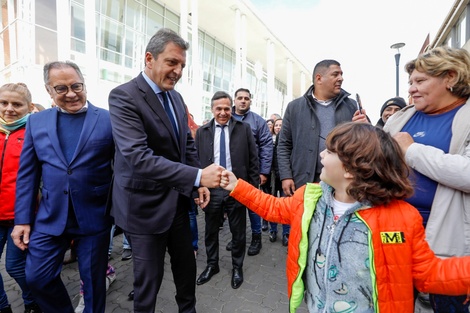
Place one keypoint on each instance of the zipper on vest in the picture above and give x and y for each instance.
(3, 157)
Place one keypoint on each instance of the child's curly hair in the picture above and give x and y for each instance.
(375, 161)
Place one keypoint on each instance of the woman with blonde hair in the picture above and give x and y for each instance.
(434, 135)
(15, 108)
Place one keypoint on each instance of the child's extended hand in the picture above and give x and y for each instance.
(228, 180)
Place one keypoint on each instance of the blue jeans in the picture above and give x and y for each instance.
(15, 261)
(285, 228)
(255, 222)
(125, 243)
(193, 224)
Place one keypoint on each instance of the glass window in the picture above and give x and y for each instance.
(46, 13)
(4, 14)
(173, 26)
(134, 49)
(463, 28)
(108, 75)
(113, 9)
(135, 15)
(154, 22)
(78, 45)
(172, 17)
(46, 45)
(78, 22)
(154, 6)
(5, 47)
(111, 41)
(172, 21)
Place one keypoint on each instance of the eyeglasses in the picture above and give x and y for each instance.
(62, 89)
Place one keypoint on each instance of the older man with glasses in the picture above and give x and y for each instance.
(70, 149)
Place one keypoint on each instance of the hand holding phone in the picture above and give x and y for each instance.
(359, 103)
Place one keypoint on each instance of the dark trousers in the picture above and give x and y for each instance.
(44, 264)
(236, 213)
(148, 253)
(449, 304)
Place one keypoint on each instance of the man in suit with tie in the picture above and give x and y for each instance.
(156, 171)
(69, 149)
(229, 143)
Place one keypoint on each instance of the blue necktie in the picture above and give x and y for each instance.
(222, 153)
(166, 105)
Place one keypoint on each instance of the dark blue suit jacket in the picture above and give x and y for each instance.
(86, 180)
(154, 172)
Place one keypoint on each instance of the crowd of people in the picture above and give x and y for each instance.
(373, 217)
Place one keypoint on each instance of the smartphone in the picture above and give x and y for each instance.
(359, 103)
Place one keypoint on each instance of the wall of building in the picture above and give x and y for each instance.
(107, 39)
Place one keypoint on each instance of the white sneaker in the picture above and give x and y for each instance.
(81, 305)
(109, 280)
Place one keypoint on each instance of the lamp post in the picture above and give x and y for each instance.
(397, 63)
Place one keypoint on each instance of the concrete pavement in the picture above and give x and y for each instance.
(263, 291)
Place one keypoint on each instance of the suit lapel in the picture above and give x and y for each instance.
(52, 133)
(157, 107)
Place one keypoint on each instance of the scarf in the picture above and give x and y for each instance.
(7, 128)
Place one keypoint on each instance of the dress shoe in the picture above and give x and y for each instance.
(6, 310)
(255, 246)
(229, 246)
(285, 240)
(237, 277)
(273, 236)
(126, 254)
(32, 308)
(130, 296)
(207, 275)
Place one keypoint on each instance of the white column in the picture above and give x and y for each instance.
(244, 52)
(22, 41)
(273, 103)
(289, 84)
(91, 61)
(195, 96)
(184, 34)
(64, 28)
(237, 80)
(303, 87)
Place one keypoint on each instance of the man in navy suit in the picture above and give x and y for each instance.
(69, 149)
(156, 171)
(231, 144)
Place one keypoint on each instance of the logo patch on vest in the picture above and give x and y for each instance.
(392, 237)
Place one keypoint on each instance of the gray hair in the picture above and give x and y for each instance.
(162, 37)
(59, 65)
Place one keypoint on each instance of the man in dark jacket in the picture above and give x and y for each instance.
(306, 123)
(229, 143)
(264, 144)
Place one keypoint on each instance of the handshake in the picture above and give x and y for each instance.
(214, 176)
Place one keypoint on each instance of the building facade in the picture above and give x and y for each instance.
(455, 29)
(231, 47)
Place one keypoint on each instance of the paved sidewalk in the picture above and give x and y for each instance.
(263, 291)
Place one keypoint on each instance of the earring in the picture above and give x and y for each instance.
(451, 89)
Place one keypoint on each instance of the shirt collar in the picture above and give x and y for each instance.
(216, 124)
(322, 102)
(151, 83)
(83, 109)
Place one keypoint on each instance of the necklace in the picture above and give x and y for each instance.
(449, 107)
